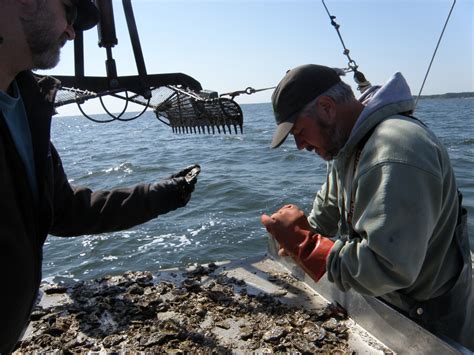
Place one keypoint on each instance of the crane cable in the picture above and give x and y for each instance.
(434, 53)
(362, 83)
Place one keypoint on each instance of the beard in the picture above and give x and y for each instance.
(339, 140)
(338, 137)
(43, 43)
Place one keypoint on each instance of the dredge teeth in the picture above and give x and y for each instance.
(209, 129)
(190, 111)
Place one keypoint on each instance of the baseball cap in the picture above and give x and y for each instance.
(297, 88)
(87, 15)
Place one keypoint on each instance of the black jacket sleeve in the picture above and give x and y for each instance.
(78, 210)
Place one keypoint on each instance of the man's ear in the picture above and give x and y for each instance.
(328, 106)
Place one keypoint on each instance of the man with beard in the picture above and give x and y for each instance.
(36, 198)
(388, 222)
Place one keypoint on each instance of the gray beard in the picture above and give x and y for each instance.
(339, 141)
(44, 47)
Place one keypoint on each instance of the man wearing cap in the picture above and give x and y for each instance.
(36, 198)
(388, 221)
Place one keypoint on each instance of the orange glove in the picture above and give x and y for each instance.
(290, 227)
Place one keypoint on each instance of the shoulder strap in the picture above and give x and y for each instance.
(360, 146)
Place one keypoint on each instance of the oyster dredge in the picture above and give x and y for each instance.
(330, 282)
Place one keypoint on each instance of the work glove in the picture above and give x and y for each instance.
(290, 227)
(174, 192)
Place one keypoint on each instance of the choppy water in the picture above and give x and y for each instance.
(241, 178)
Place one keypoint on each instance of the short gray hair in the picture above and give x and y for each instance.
(340, 93)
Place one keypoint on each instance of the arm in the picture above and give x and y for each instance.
(324, 217)
(289, 226)
(78, 210)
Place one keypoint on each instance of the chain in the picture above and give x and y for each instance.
(248, 91)
(351, 65)
(362, 83)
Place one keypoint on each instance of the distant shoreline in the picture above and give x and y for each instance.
(449, 95)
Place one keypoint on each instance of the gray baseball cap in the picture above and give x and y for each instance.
(297, 88)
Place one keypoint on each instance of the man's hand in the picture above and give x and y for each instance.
(175, 191)
(186, 171)
(290, 227)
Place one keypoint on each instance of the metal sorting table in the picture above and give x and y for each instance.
(374, 327)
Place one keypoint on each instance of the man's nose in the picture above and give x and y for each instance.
(300, 144)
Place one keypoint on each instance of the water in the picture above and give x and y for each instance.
(241, 178)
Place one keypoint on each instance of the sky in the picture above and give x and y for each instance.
(229, 45)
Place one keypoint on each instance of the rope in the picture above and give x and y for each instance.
(434, 53)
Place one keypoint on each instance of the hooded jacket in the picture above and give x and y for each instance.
(63, 210)
(391, 198)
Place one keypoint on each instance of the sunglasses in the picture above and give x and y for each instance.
(71, 13)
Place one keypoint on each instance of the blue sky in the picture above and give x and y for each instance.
(228, 45)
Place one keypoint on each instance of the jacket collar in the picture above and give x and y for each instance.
(392, 98)
(38, 94)
(41, 87)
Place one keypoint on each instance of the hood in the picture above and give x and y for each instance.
(394, 97)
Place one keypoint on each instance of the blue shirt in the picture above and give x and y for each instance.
(14, 113)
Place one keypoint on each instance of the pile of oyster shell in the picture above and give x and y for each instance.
(202, 312)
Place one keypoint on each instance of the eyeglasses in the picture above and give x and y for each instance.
(71, 13)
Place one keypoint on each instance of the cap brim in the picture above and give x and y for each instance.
(87, 15)
(282, 131)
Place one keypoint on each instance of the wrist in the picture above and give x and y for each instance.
(312, 255)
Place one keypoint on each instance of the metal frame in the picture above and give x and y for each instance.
(139, 84)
